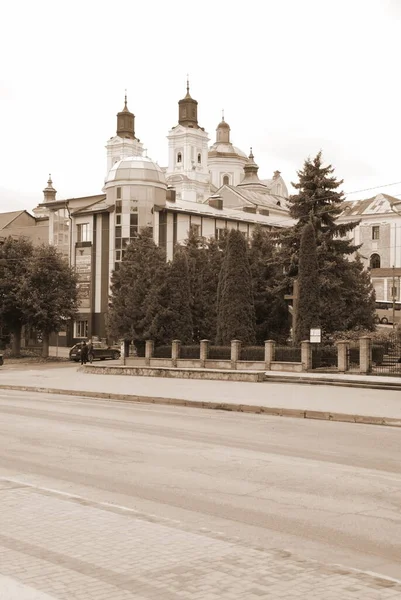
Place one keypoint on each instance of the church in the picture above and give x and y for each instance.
(206, 189)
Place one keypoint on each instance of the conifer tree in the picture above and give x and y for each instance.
(308, 314)
(235, 304)
(272, 320)
(319, 201)
(358, 296)
(143, 265)
(204, 262)
(169, 304)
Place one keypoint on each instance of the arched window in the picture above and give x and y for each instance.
(226, 180)
(179, 157)
(375, 261)
(199, 158)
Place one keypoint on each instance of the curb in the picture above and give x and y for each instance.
(357, 383)
(294, 413)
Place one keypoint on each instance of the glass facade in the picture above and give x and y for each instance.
(61, 231)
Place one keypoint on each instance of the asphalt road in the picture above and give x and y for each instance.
(326, 491)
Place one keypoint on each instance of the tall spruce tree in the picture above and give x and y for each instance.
(235, 304)
(169, 304)
(319, 201)
(308, 313)
(358, 296)
(143, 264)
(272, 320)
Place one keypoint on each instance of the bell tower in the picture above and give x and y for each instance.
(187, 169)
(124, 143)
(188, 111)
(126, 123)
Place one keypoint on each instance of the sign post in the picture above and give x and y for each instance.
(315, 336)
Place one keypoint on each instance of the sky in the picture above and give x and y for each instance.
(293, 77)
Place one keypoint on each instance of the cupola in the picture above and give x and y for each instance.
(126, 123)
(188, 111)
(49, 192)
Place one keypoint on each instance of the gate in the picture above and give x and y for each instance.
(386, 356)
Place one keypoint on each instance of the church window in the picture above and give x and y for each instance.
(193, 112)
(375, 232)
(179, 157)
(199, 158)
(226, 180)
(118, 193)
(375, 261)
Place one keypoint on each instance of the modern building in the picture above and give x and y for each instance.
(206, 191)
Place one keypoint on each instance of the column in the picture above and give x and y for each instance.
(342, 356)
(365, 354)
(204, 352)
(306, 355)
(175, 352)
(235, 353)
(270, 353)
(149, 349)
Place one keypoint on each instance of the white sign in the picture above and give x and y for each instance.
(315, 336)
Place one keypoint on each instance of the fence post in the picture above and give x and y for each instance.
(306, 355)
(204, 352)
(342, 356)
(235, 352)
(365, 354)
(270, 353)
(175, 352)
(149, 349)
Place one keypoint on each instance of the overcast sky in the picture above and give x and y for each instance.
(293, 76)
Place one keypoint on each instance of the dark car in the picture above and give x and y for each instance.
(100, 352)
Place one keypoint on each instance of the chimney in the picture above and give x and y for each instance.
(216, 201)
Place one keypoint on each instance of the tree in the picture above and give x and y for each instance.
(359, 296)
(169, 304)
(15, 257)
(271, 312)
(318, 201)
(308, 313)
(204, 263)
(49, 292)
(235, 306)
(143, 264)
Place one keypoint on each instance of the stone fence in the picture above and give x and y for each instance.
(268, 364)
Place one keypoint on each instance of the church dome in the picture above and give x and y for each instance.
(226, 148)
(136, 168)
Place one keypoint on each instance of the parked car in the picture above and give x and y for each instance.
(100, 352)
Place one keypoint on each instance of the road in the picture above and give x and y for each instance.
(115, 500)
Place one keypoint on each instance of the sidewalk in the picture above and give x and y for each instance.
(290, 399)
